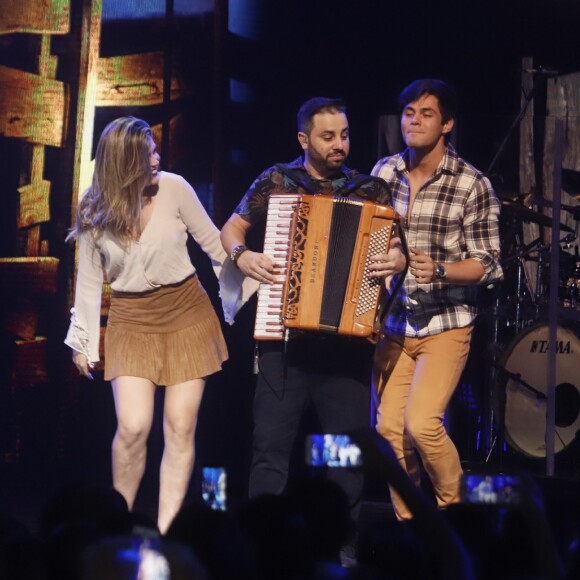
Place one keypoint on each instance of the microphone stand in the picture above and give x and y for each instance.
(513, 126)
(539, 73)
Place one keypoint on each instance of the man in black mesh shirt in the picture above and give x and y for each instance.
(329, 372)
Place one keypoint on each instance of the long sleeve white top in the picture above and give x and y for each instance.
(160, 257)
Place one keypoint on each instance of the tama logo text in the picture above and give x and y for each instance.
(542, 347)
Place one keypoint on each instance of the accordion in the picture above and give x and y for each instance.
(320, 246)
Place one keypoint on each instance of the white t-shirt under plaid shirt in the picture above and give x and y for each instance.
(454, 217)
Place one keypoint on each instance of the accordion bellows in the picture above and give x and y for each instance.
(320, 245)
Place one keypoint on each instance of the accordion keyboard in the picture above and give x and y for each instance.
(269, 324)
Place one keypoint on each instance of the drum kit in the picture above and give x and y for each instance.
(519, 368)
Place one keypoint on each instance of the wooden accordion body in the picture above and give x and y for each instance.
(320, 245)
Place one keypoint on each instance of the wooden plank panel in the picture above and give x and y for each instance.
(157, 131)
(84, 123)
(33, 241)
(35, 275)
(48, 16)
(30, 362)
(563, 102)
(179, 141)
(100, 366)
(135, 80)
(34, 206)
(22, 319)
(527, 175)
(105, 299)
(33, 108)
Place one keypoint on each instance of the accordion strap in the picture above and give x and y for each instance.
(297, 177)
(357, 182)
(301, 179)
(384, 310)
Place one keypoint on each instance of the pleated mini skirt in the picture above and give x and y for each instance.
(169, 336)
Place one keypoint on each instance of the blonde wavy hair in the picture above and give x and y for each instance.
(112, 203)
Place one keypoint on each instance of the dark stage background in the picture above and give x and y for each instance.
(251, 64)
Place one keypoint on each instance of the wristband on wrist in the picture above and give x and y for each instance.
(236, 253)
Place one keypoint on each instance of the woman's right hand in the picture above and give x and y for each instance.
(82, 363)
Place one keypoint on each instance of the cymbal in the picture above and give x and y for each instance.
(514, 196)
(527, 215)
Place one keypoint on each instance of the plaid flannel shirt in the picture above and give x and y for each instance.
(454, 217)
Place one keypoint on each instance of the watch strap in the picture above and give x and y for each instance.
(237, 252)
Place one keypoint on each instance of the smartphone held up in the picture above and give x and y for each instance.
(213, 487)
(332, 450)
(490, 488)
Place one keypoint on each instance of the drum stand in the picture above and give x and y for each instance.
(523, 282)
(502, 375)
(498, 375)
(497, 438)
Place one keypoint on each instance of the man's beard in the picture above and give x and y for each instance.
(328, 165)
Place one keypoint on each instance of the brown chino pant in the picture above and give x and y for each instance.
(414, 379)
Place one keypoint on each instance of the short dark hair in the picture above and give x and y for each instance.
(439, 89)
(317, 105)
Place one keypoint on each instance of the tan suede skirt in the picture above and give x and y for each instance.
(169, 336)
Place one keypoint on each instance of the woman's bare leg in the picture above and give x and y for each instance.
(180, 411)
(134, 404)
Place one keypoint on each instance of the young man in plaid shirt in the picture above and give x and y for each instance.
(451, 225)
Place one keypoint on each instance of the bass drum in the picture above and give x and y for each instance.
(526, 390)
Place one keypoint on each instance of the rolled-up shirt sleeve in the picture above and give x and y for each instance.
(84, 330)
(481, 230)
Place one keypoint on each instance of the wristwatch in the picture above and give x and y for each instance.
(237, 252)
(440, 271)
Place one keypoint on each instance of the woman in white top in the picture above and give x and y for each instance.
(132, 226)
